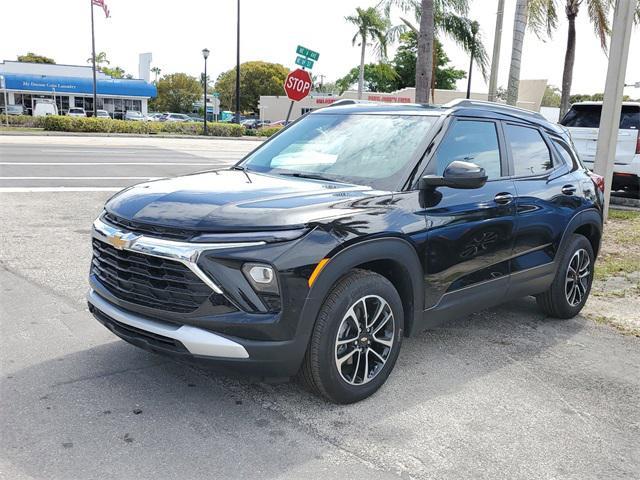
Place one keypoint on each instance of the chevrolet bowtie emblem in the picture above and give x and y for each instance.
(120, 241)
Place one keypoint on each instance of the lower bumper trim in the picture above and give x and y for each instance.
(196, 340)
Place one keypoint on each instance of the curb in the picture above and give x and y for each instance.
(45, 133)
(624, 202)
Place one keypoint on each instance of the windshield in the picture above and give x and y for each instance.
(373, 149)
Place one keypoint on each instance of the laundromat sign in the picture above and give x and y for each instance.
(49, 85)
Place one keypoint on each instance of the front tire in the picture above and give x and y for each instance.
(356, 338)
(571, 286)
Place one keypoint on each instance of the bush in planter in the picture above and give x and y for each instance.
(26, 121)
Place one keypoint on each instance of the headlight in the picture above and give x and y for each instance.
(262, 277)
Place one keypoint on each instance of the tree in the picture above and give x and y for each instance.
(378, 77)
(404, 64)
(115, 72)
(157, 71)
(450, 19)
(256, 78)
(31, 57)
(541, 16)
(551, 97)
(425, 63)
(372, 26)
(598, 11)
(101, 58)
(177, 92)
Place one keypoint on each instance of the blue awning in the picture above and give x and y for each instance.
(120, 87)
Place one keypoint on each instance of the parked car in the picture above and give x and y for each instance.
(175, 117)
(102, 114)
(134, 115)
(154, 117)
(12, 110)
(196, 119)
(583, 122)
(356, 226)
(44, 108)
(76, 112)
(255, 124)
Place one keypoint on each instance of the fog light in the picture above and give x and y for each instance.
(261, 274)
(262, 277)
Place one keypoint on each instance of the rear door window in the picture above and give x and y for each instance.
(531, 155)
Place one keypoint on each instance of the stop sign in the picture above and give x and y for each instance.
(297, 85)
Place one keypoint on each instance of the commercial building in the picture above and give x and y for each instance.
(275, 108)
(72, 86)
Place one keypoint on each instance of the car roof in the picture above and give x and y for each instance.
(460, 108)
(633, 104)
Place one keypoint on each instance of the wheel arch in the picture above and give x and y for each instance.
(392, 257)
(587, 223)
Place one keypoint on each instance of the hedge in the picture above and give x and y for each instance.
(60, 123)
(268, 131)
(26, 121)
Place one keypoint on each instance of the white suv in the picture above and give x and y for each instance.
(583, 121)
(76, 112)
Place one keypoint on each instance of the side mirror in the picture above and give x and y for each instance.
(458, 174)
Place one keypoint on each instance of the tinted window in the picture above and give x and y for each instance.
(530, 153)
(588, 116)
(365, 149)
(471, 141)
(564, 152)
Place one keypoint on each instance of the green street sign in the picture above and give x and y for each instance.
(305, 52)
(215, 94)
(304, 62)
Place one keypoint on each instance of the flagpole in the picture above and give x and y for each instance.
(93, 58)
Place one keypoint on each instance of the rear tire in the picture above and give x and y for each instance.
(571, 286)
(356, 338)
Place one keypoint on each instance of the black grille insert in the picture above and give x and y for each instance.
(148, 281)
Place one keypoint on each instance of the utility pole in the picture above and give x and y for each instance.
(238, 68)
(93, 61)
(495, 59)
(613, 91)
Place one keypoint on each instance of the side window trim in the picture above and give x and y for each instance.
(431, 166)
(550, 149)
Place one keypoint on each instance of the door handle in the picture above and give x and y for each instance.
(569, 189)
(503, 198)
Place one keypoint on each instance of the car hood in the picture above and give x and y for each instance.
(235, 200)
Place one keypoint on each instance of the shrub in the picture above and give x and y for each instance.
(268, 131)
(107, 125)
(26, 121)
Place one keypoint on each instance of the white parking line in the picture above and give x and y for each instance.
(79, 178)
(58, 189)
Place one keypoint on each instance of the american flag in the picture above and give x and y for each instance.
(100, 3)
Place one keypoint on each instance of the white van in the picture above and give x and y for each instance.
(41, 109)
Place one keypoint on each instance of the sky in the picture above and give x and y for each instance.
(176, 32)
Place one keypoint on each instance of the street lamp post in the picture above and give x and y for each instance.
(205, 54)
(238, 67)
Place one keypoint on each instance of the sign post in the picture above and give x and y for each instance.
(298, 83)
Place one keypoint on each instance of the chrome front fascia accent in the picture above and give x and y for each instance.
(196, 340)
(186, 253)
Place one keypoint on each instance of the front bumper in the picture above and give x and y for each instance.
(259, 357)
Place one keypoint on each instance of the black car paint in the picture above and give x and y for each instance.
(448, 251)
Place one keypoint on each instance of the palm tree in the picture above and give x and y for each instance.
(372, 26)
(450, 19)
(157, 71)
(101, 58)
(598, 12)
(541, 17)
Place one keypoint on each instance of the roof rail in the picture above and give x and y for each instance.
(497, 107)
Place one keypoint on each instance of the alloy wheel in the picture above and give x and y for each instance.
(364, 340)
(577, 278)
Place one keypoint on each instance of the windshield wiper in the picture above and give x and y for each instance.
(313, 176)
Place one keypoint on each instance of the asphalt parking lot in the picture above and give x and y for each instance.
(504, 393)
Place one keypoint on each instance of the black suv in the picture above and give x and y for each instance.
(353, 227)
